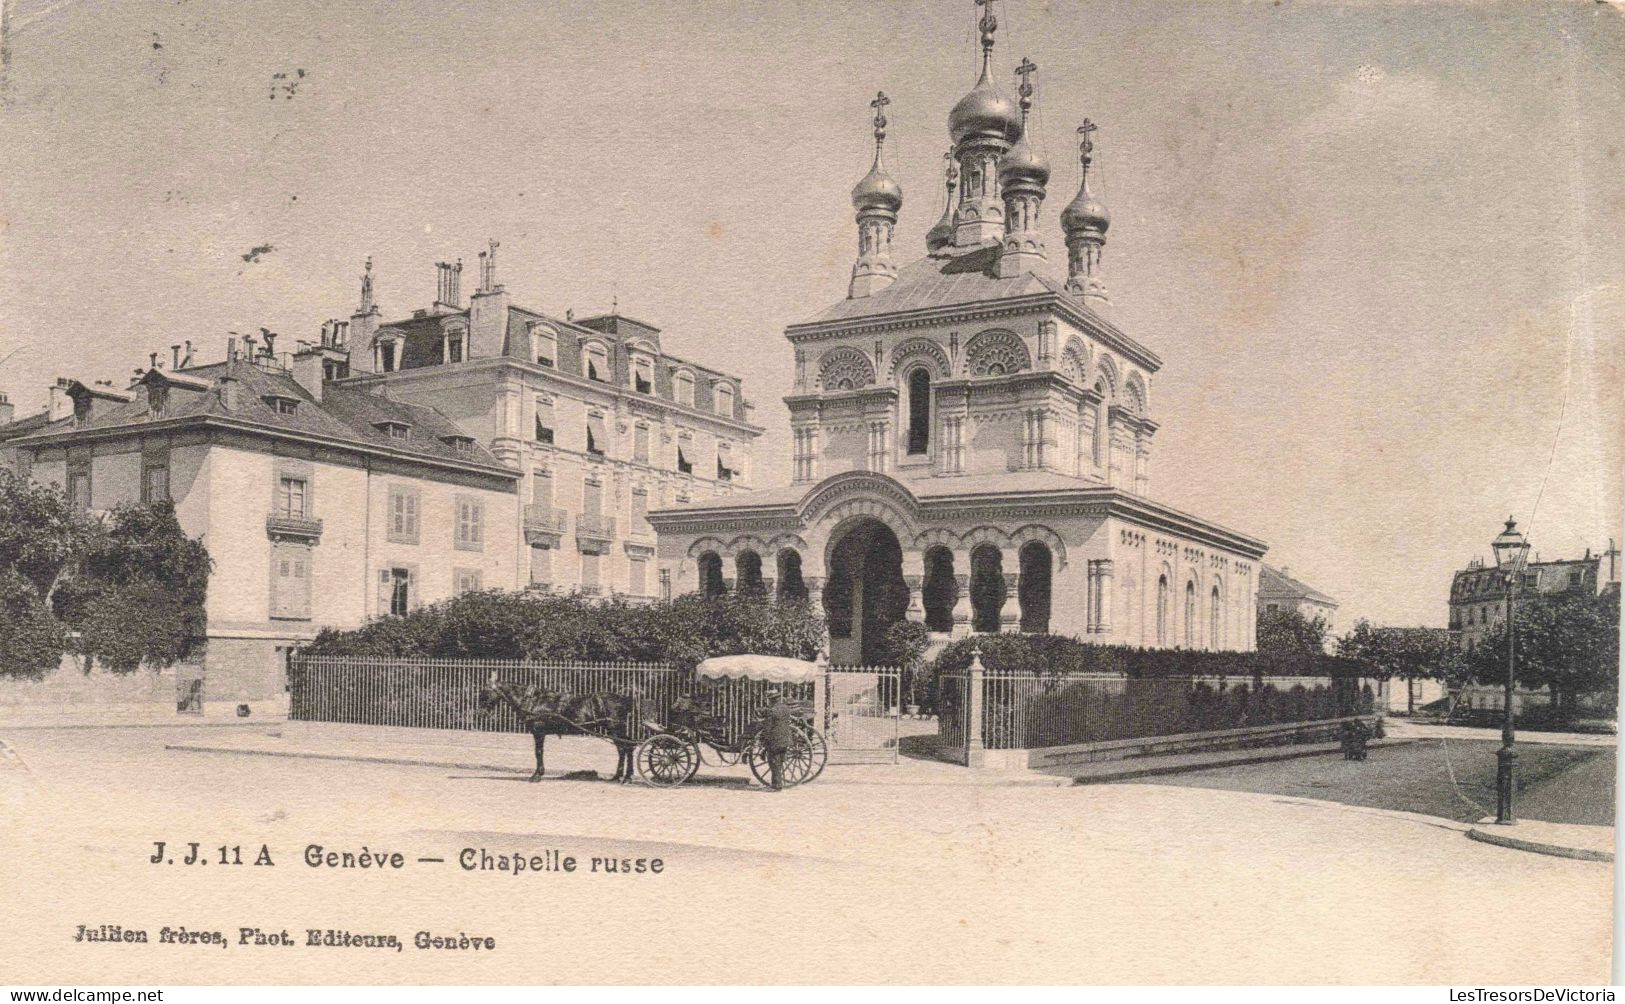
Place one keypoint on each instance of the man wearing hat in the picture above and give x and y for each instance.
(778, 728)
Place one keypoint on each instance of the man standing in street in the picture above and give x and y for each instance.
(778, 724)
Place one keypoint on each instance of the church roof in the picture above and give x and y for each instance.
(943, 282)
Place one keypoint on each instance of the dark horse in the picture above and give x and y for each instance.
(546, 712)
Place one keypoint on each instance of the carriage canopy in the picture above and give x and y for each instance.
(764, 668)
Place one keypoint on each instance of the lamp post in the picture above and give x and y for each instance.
(1510, 551)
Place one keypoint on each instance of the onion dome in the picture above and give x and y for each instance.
(878, 190)
(1085, 214)
(942, 234)
(985, 113)
(1023, 165)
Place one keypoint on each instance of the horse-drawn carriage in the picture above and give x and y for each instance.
(732, 729)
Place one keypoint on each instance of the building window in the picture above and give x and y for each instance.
(403, 515)
(640, 443)
(1272, 607)
(592, 498)
(544, 420)
(544, 345)
(640, 510)
(395, 592)
(470, 525)
(1190, 615)
(919, 411)
(665, 584)
(597, 359)
(1574, 580)
(684, 466)
(79, 489)
(597, 436)
(290, 581)
(637, 582)
(541, 487)
(685, 388)
(453, 350)
(1213, 621)
(386, 356)
(468, 580)
(541, 565)
(589, 573)
(281, 405)
(643, 375)
(1162, 609)
(154, 485)
(290, 498)
(725, 472)
(394, 430)
(157, 399)
(725, 399)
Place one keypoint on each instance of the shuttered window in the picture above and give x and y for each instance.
(403, 515)
(470, 534)
(290, 581)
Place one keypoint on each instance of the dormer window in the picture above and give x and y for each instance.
(643, 375)
(394, 430)
(544, 345)
(725, 400)
(453, 350)
(596, 365)
(157, 400)
(684, 388)
(462, 444)
(281, 404)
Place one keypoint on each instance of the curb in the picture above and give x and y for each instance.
(993, 780)
(243, 723)
(1288, 753)
(1500, 839)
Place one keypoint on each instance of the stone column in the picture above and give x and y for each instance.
(962, 608)
(1102, 569)
(914, 578)
(1010, 613)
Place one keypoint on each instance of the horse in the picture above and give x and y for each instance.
(543, 712)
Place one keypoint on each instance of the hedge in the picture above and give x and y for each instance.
(1062, 655)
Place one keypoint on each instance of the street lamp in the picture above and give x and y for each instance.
(1511, 550)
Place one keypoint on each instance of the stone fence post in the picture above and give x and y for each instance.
(975, 751)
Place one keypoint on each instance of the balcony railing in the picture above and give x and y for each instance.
(282, 525)
(595, 527)
(544, 517)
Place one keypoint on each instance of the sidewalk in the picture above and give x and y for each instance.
(1404, 727)
(583, 758)
(1564, 840)
(1178, 763)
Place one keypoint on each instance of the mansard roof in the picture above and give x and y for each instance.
(344, 416)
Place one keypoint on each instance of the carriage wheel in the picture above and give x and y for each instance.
(666, 761)
(803, 760)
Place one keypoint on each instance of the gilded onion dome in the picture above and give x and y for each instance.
(1085, 214)
(985, 113)
(878, 190)
(1023, 165)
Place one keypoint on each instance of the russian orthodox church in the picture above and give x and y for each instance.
(972, 434)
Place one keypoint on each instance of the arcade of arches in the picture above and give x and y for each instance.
(869, 553)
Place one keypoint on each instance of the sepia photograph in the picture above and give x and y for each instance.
(968, 492)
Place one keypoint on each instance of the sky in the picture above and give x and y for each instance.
(1379, 248)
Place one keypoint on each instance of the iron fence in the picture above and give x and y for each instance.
(1033, 711)
(860, 714)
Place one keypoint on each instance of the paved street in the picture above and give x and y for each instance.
(838, 882)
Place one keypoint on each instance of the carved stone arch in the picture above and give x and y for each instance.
(389, 335)
(937, 536)
(1134, 394)
(1044, 535)
(453, 324)
(793, 541)
(984, 535)
(845, 368)
(919, 349)
(745, 542)
(1075, 361)
(861, 508)
(703, 544)
(1106, 370)
(995, 352)
(859, 484)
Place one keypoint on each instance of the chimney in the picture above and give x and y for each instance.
(58, 404)
(448, 295)
(365, 323)
(308, 369)
(174, 357)
(7, 410)
(487, 310)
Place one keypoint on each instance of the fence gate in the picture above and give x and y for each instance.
(859, 714)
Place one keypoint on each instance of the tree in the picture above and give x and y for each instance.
(138, 590)
(1406, 653)
(1567, 643)
(1282, 632)
(41, 535)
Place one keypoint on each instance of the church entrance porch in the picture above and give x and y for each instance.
(865, 593)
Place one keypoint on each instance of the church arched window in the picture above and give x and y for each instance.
(1162, 610)
(919, 410)
(1190, 615)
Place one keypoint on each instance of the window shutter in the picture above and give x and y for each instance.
(384, 591)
